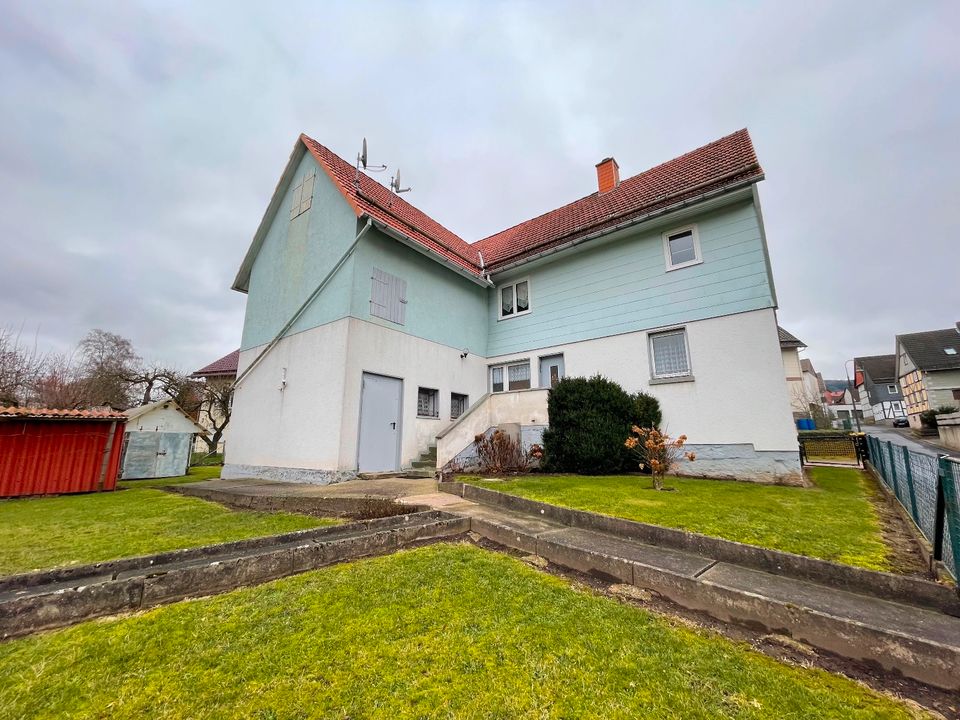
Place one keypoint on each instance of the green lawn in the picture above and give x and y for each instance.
(445, 631)
(833, 521)
(39, 533)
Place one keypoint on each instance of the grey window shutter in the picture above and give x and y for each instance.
(306, 198)
(388, 296)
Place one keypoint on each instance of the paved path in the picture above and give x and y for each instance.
(386, 488)
(902, 436)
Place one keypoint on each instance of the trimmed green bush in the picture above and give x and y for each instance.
(589, 420)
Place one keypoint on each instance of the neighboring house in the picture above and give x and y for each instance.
(790, 348)
(880, 397)
(219, 376)
(813, 385)
(372, 332)
(844, 404)
(928, 370)
(158, 441)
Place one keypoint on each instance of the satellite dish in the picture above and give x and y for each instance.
(363, 154)
(395, 184)
(362, 161)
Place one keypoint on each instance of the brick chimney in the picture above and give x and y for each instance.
(608, 175)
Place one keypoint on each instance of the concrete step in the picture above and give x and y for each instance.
(424, 464)
(922, 643)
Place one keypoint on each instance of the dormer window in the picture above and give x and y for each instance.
(515, 299)
(950, 351)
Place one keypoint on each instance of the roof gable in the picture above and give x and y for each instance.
(879, 368)
(788, 340)
(722, 165)
(928, 349)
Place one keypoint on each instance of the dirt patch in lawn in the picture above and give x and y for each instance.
(898, 534)
(782, 648)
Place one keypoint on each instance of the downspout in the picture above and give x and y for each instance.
(305, 305)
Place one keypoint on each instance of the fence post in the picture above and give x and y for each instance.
(913, 495)
(947, 512)
(893, 472)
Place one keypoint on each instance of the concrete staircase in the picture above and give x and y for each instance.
(427, 464)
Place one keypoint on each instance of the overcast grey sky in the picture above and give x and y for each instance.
(140, 142)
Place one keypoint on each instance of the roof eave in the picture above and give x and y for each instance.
(732, 189)
(480, 280)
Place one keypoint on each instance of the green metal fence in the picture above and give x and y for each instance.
(928, 487)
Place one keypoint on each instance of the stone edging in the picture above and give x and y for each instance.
(887, 586)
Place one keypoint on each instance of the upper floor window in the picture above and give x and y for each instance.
(388, 296)
(302, 196)
(681, 247)
(669, 354)
(515, 298)
(514, 376)
(893, 389)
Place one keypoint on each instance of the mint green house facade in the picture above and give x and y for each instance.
(373, 334)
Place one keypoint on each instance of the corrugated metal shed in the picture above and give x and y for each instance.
(47, 452)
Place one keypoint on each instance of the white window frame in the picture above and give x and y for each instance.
(435, 394)
(893, 389)
(513, 284)
(504, 367)
(682, 331)
(668, 258)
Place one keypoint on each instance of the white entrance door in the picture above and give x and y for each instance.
(380, 401)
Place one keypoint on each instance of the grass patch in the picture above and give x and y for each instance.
(40, 533)
(835, 520)
(443, 631)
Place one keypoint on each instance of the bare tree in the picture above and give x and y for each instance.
(20, 366)
(59, 384)
(109, 366)
(215, 411)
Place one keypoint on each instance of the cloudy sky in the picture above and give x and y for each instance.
(140, 142)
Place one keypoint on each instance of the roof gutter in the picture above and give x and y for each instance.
(432, 254)
(627, 224)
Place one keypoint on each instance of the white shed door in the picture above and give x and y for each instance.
(379, 443)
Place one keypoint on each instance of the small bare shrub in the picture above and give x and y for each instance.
(498, 453)
(657, 451)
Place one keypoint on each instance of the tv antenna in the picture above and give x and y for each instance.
(395, 184)
(362, 160)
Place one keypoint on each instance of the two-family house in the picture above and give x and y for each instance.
(928, 370)
(373, 333)
(876, 381)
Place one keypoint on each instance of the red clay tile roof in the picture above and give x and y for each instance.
(227, 365)
(727, 161)
(731, 160)
(373, 199)
(59, 414)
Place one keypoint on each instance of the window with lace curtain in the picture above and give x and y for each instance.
(669, 354)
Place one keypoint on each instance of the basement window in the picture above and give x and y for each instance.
(515, 299)
(681, 248)
(458, 405)
(427, 405)
(302, 197)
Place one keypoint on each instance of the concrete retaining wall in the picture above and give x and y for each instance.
(900, 588)
(40, 601)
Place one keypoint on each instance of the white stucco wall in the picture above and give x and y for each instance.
(163, 418)
(419, 363)
(299, 425)
(739, 393)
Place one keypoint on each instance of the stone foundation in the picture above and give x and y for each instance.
(313, 476)
(743, 462)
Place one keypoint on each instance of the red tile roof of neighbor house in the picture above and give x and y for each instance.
(729, 161)
(227, 365)
(60, 414)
